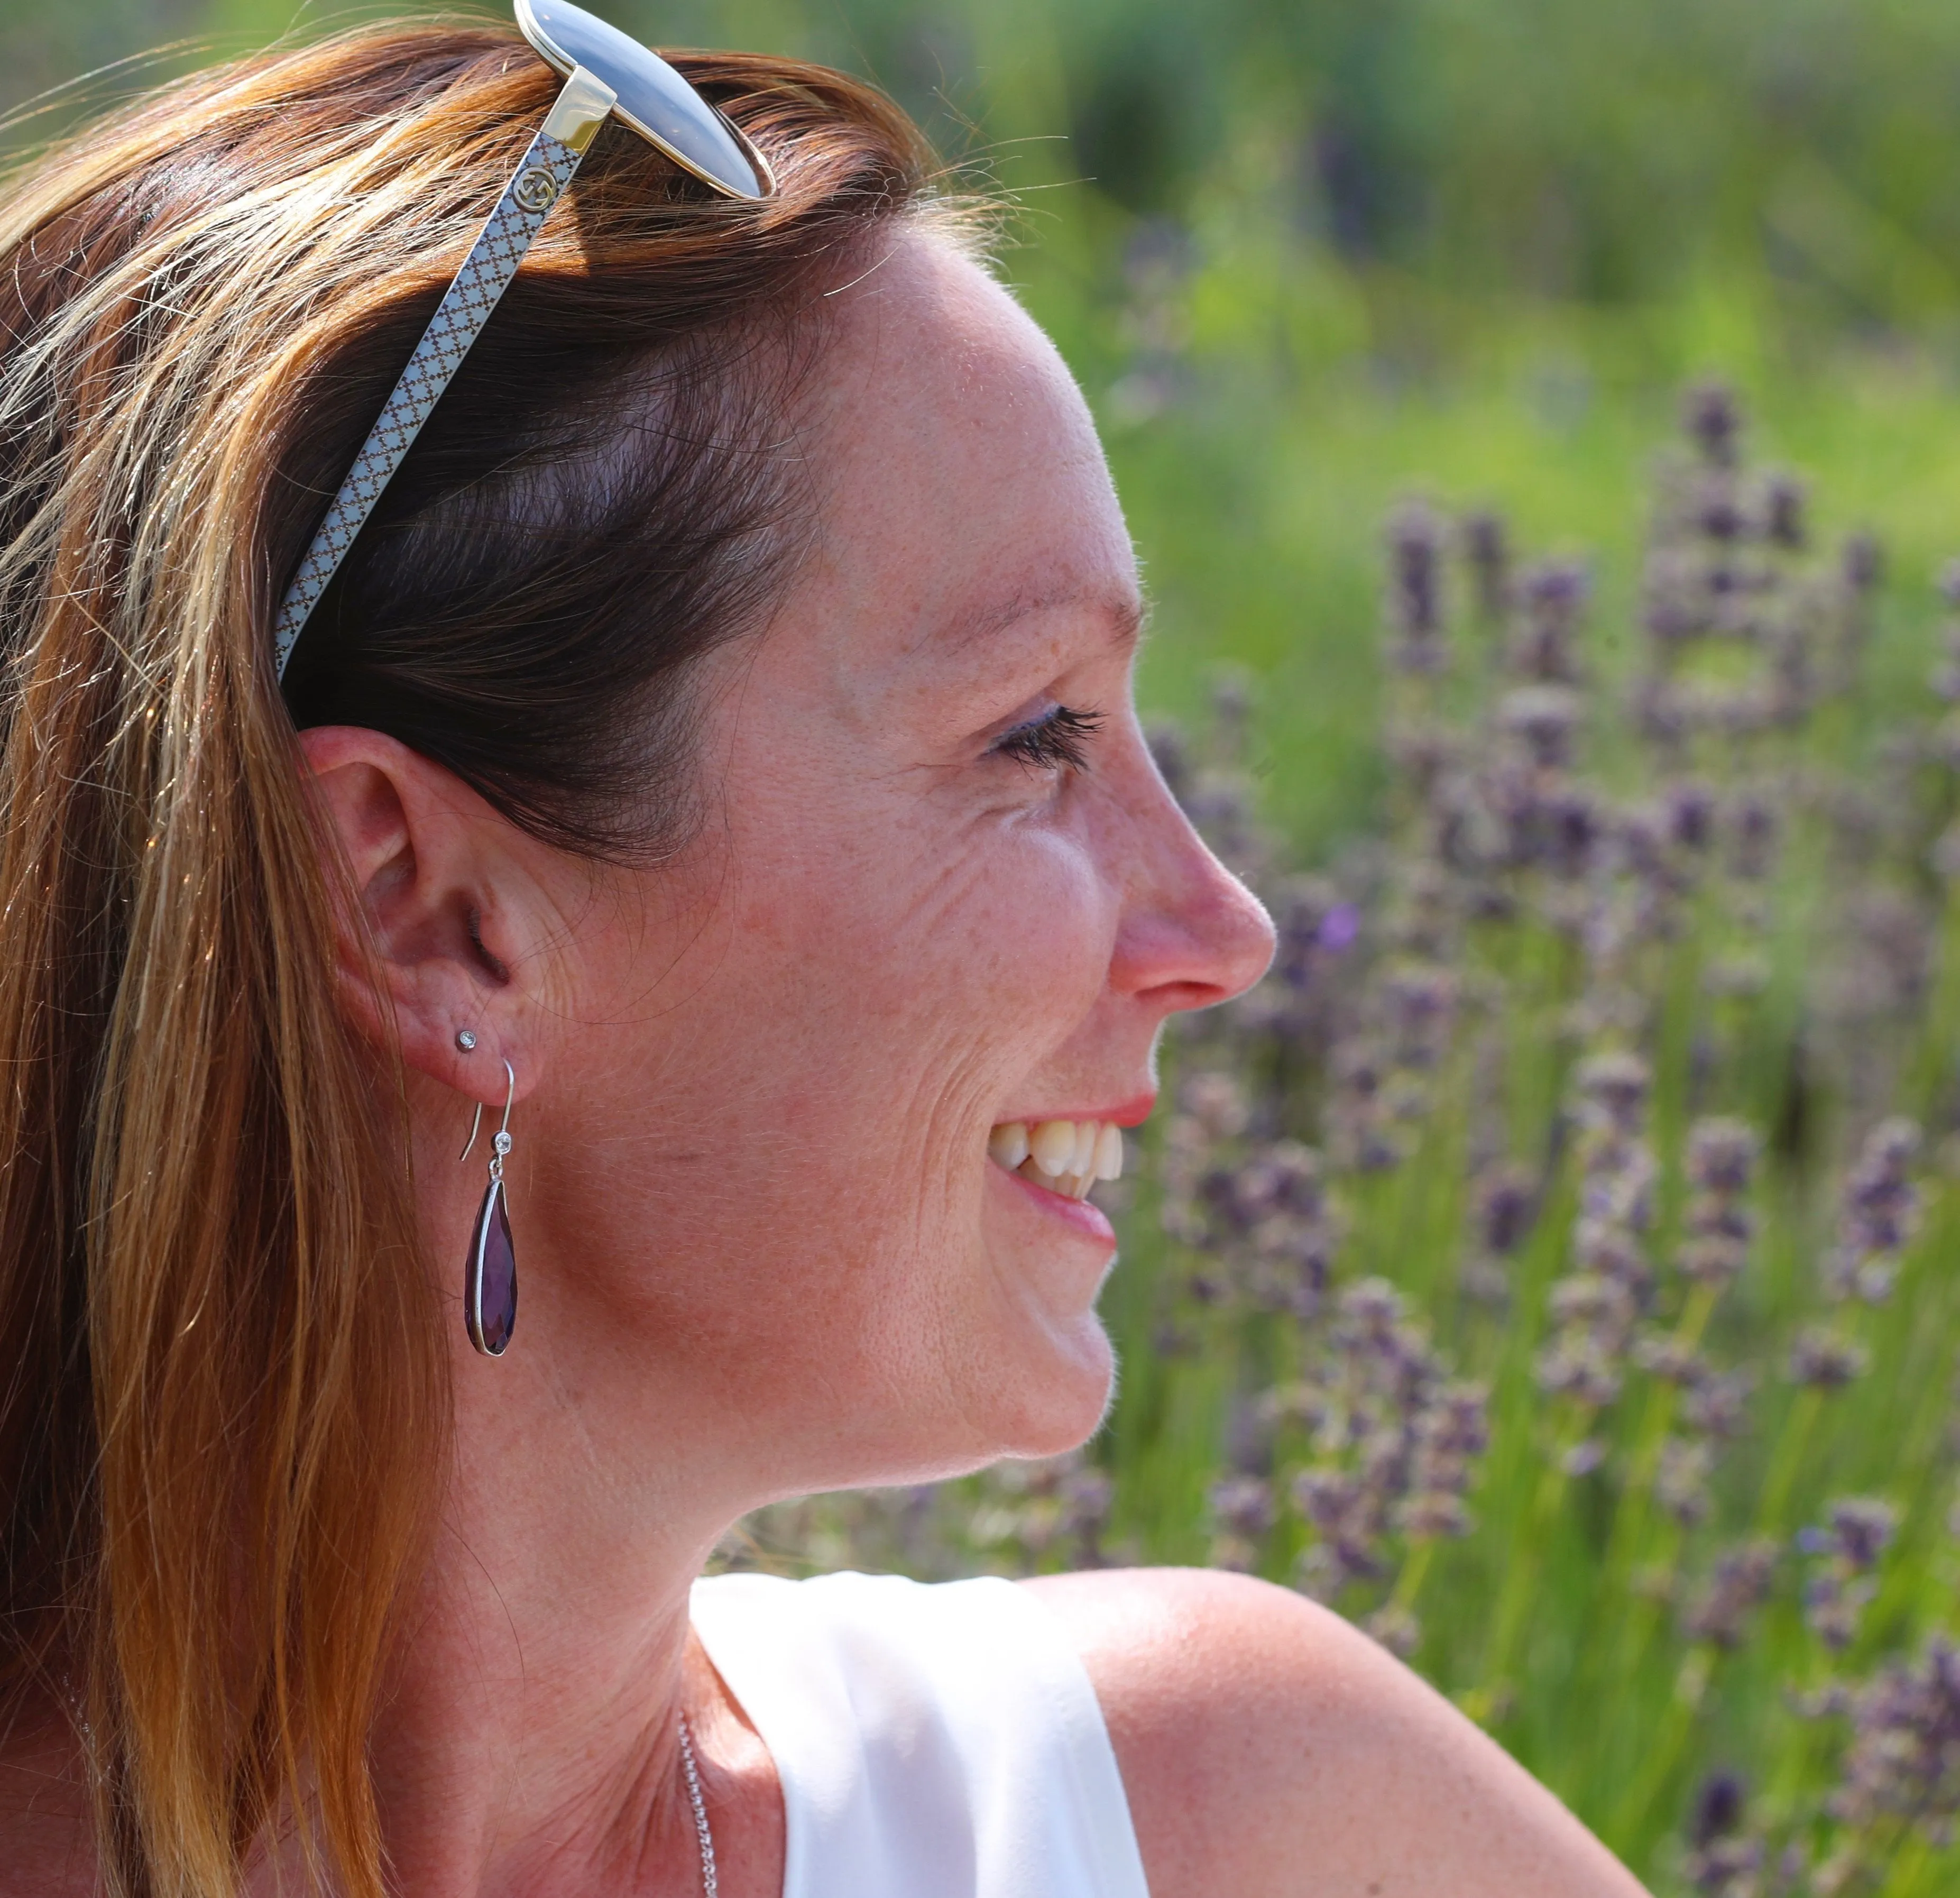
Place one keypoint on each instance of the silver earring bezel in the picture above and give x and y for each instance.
(493, 1196)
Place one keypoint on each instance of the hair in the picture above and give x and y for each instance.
(223, 1396)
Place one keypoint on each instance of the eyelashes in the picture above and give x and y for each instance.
(1058, 740)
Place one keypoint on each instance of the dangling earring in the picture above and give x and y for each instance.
(490, 1273)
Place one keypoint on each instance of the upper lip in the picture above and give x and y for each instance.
(1129, 1113)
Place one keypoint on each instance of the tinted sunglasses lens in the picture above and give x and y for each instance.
(654, 100)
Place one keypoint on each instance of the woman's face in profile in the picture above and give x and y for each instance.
(938, 889)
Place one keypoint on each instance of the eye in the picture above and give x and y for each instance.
(1058, 740)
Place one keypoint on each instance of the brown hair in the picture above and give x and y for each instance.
(222, 1402)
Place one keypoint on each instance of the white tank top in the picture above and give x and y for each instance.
(932, 1741)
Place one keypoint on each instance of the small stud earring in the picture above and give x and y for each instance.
(466, 1041)
(490, 1271)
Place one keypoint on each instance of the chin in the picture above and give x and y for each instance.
(1060, 1404)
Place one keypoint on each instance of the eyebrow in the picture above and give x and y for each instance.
(1127, 615)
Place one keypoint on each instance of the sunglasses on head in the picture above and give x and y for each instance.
(607, 75)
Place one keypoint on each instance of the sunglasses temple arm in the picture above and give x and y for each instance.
(540, 179)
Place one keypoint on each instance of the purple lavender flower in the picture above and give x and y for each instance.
(1718, 1803)
(1583, 1458)
(1613, 1090)
(1487, 549)
(1553, 596)
(1241, 1506)
(1945, 678)
(1674, 609)
(1681, 1481)
(1888, 961)
(1717, 1226)
(1086, 1496)
(1737, 1585)
(1396, 1441)
(1716, 1404)
(1722, 1860)
(1837, 1592)
(1825, 1360)
(1861, 1529)
(1862, 563)
(1595, 1309)
(1692, 810)
(1672, 1360)
(1419, 1002)
(1721, 1155)
(1713, 420)
(1904, 1763)
(1753, 832)
(1719, 516)
(1416, 537)
(1783, 524)
(1878, 1214)
(1340, 927)
(1349, 1524)
(1506, 1207)
(1545, 719)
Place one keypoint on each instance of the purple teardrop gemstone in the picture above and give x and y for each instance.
(493, 1296)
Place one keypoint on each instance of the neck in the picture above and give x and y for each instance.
(531, 1739)
(528, 1744)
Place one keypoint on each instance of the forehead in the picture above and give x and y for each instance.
(963, 486)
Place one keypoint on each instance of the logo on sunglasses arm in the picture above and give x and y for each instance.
(536, 189)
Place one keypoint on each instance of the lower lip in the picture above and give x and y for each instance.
(1084, 1216)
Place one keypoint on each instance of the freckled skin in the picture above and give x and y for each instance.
(1269, 1747)
(886, 939)
(760, 1247)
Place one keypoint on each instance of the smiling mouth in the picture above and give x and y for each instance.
(1067, 1157)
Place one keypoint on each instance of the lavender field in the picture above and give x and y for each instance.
(1550, 1265)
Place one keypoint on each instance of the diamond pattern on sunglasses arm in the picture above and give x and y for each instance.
(466, 306)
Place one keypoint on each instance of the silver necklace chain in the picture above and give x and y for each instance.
(692, 1774)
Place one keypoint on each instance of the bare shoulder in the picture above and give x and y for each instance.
(1268, 1746)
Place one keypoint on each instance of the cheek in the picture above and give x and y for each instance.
(866, 999)
(1013, 929)
(905, 1005)
(948, 943)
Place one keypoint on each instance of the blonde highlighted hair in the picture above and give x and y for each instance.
(222, 1367)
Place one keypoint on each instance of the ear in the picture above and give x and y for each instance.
(438, 890)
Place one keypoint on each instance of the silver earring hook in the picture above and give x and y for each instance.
(477, 1119)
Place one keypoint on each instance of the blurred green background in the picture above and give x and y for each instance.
(1311, 256)
(1307, 254)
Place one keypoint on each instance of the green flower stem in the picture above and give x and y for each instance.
(1415, 1567)
(1664, 1752)
(1519, 1587)
(1631, 1516)
(1908, 1861)
(1787, 1458)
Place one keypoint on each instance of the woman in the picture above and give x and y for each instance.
(716, 759)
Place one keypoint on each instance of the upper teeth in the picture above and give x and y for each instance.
(1065, 1156)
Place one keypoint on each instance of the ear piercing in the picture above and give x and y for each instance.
(466, 1042)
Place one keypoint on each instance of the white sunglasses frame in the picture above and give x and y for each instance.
(546, 168)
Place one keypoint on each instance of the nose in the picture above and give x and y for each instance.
(1192, 934)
